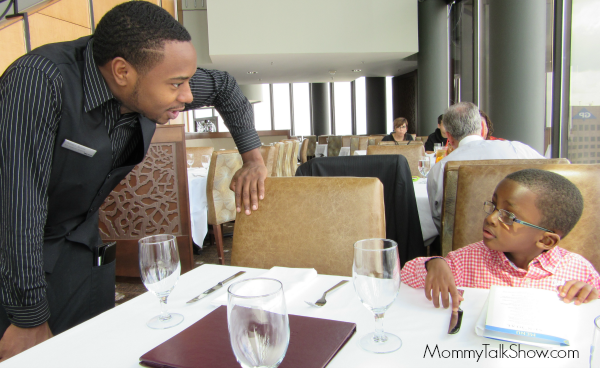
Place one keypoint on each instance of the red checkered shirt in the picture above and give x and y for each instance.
(477, 266)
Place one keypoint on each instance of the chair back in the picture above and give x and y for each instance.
(280, 159)
(312, 145)
(292, 227)
(220, 199)
(374, 139)
(323, 139)
(476, 184)
(422, 138)
(346, 139)
(358, 143)
(275, 158)
(411, 151)
(334, 146)
(450, 187)
(304, 151)
(198, 152)
(294, 158)
(268, 155)
(288, 148)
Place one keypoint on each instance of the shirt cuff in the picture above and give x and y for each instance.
(246, 141)
(28, 316)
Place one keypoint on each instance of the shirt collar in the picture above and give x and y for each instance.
(95, 89)
(548, 260)
(468, 139)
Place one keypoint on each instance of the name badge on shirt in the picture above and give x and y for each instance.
(76, 147)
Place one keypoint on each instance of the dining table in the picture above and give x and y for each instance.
(197, 179)
(118, 337)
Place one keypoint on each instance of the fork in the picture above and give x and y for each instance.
(321, 302)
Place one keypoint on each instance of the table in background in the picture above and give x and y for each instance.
(321, 150)
(197, 178)
(118, 337)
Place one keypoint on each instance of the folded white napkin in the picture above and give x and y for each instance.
(294, 281)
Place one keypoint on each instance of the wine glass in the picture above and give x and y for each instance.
(259, 329)
(376, 278)
(205, 160)
(190, 160)
(424, 165)
(160, 269)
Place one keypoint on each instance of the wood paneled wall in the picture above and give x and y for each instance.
(56, 21)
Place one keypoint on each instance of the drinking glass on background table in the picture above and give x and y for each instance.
(160, 269)
(190, 160)
(436, 146)
(424, 166)
(259, 329)
(205, 160)
(376, 278)
(595, 348)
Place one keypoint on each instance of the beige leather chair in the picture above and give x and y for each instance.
(294, 157)
(334, 146)
(412, 152)
(323, 139)
(450, 185)
(358, 143)
(374, 139)
(476, 184)
(199, 152)
(220, 199)
(268, 155)
(280, 159)
(288, 149)
(312, 145)
(346, 139)
(275, 158)
(304, 151)
(306, 222)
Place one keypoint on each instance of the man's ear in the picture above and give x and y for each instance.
(548, 241)
(451, 141)
(484, 128)
(124, 74)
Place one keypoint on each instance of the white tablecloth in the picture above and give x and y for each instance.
(360, 152)
(321, 150)
(117, 338)
(345, 151)
(427, 226)
(198, 204)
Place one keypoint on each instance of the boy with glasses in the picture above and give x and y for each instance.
(530, 212)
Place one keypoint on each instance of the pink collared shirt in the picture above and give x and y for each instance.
(477, 266)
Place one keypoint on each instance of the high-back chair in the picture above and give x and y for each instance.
(346, 139)
(323, 139)
(198, 152)
(412, 152)
(450, 186)
(334, 145)
(268, 155)
(292, 227)
(476, 184)
(304, 151)
(294, 157)
(279, 159)
(288, 149)
(312, 145)
(374, 139)
(220, 199)
(358, 143)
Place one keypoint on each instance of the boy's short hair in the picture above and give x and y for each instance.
(558, 200)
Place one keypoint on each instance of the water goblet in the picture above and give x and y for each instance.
(160, 269)
(595, 347)
(424, 165)
(376, 279)
(190, 160)
(205, 160)
(258, 323)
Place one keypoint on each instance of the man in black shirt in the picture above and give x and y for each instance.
(439, 136)
(104, 93)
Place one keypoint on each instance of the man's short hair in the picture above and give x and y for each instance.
(558, 200)
(137, 32)
(440, 118)
(461, 120)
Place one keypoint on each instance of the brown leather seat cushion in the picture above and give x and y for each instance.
(310, 222)
(476, 184)
(412, 152)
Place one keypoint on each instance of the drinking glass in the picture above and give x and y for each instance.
(424, 165)
(436, 146)
(190, 160)
(376, 278)
(160, 269)
(205, 159)
(595, 348)
(259, 329)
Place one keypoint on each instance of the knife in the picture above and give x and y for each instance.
(215, 288)
(456, 318)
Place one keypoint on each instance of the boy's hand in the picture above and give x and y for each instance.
(577, 289)
(441, 280)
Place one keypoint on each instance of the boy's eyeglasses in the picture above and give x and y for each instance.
(508, 218)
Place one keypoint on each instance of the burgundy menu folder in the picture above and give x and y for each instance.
(313, 343)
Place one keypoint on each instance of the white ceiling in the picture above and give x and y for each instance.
(314, 68)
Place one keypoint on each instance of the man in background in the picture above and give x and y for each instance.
(439, 136)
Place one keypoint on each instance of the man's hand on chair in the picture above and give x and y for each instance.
(248, 183)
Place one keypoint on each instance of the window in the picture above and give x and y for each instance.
(301, 109)
(389, 104)
(343, 108)
(281, 105)
(361, 106)
(262, 110)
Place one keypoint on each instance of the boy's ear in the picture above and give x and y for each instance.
(548, 241)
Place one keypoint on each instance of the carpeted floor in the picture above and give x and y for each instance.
(130, 287)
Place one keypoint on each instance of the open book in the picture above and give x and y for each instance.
(528, 316)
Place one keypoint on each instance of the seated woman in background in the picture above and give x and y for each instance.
(439, 136)
(399, 134)
(487, 133)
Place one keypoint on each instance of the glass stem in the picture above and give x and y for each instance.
(379, 335)
(164, 314)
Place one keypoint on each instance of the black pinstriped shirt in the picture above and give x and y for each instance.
(30, 111)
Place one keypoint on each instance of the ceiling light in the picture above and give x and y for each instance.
(356, 70)
(332, 72)
(252, 72)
